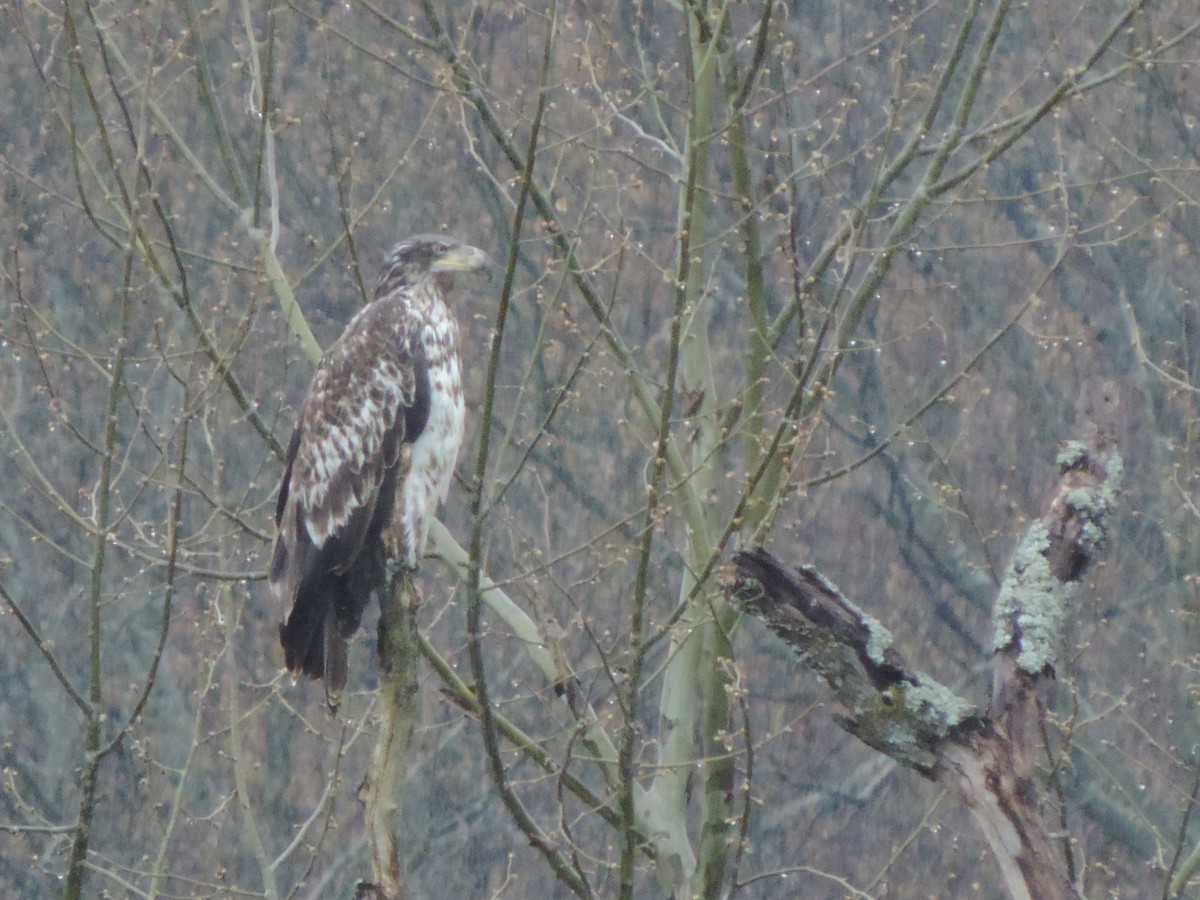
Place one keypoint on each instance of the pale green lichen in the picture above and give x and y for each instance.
(937, 705)
(1087, 500)
(906, 746)
(1032, 605)
(880, 639)
(909, 721)
(1092, 506)
(1072, 454)
(1114, 471)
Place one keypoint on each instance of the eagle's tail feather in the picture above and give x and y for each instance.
(326, 612)
(313, 644)
(302, 635)
(337, 669)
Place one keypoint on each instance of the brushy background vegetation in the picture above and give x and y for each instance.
(835, 277)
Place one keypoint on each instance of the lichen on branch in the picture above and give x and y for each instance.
(1053, 556)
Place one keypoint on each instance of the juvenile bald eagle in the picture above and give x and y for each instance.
(372, 455)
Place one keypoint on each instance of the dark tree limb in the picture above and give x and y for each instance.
(988, 759)
(895, 710)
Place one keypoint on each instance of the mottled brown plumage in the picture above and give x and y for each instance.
(374, 447)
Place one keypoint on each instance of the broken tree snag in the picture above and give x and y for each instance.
(908, 716)
(902, 713)
(990, 762)
(1052, 557)
(1030, 613)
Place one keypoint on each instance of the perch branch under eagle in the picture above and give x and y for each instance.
(372, 455)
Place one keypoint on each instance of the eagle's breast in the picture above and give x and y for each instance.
(436, 449)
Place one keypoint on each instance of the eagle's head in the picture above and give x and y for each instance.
(430, 256)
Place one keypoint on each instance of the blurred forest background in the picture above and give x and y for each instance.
(833, 277)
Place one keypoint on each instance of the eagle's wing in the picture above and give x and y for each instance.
(347, 458)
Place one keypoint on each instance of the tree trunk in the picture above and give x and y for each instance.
(383, 788)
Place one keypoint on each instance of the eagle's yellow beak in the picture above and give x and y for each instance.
(464, 258)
